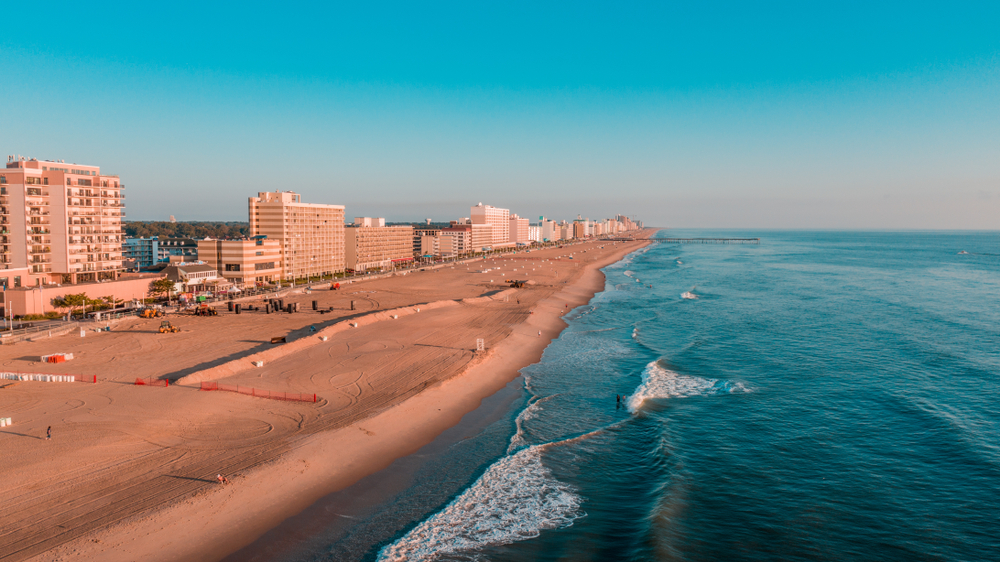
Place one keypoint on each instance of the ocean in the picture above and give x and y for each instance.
(819, 396)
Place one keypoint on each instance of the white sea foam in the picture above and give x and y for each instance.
(531, 412)
(514, 500)
(688, 295)
(627, 273)
(658, 382)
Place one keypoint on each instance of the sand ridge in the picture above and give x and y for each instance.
(133, 467)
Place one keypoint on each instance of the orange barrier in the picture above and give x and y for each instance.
(86, 378)
(152, 382)
(249, 391)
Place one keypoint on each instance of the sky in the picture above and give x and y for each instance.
(683, 114)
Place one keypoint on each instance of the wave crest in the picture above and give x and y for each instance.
(658, 382)
(514, 500)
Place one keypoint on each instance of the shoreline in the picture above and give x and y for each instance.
(326, 520)
(219, 522)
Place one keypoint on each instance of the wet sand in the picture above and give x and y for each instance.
(130, 470)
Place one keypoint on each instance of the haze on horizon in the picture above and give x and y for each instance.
(724, 115)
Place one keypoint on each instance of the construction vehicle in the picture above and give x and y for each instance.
(205, 310)
(516, 284)
(150, 313)
(167, 328)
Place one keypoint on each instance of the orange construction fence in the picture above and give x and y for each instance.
(249, 391)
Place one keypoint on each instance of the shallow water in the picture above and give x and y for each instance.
(821, 396)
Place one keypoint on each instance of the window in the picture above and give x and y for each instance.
(260, 253)
(232, 267)
(3, 282)
(261, 266)
(3, 179)
(17, 282)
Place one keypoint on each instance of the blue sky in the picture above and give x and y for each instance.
(742, 115)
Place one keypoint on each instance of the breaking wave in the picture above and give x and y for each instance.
(531, 412)
(658, 382)
(515, 499)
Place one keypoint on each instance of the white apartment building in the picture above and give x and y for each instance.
(59, 223)
(534, 233)
(498, 219)
(518, 230)
(549, 230)
(311, 234)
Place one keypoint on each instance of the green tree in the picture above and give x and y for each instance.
(72, 302)
(162, 286)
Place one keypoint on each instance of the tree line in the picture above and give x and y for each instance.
(197, 229)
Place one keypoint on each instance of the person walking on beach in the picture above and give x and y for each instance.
(48, 433)
(222, 479)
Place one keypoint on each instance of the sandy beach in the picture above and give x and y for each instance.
(130, 471)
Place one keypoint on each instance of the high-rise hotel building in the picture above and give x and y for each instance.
(59, 223)
(498, 219)
(311, 234)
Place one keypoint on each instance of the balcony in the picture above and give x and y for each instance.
(41, 269)
(40, 260)
(41, 250)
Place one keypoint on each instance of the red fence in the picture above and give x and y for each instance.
(85, 378)
(273, 395)
(152, 382)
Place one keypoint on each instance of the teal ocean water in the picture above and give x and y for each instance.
(821, 396)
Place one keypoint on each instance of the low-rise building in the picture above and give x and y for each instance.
(245, 263)
(185, 248)
(478, 237)
(456, 240)
(370, 244)
(429, 245)
(432, 243)
(192, 277)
